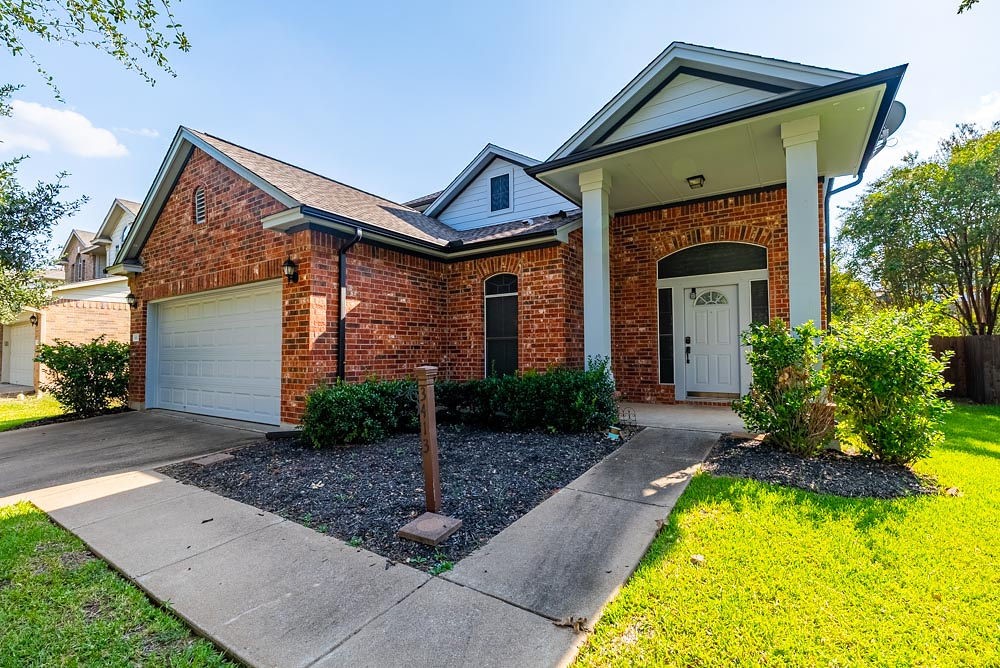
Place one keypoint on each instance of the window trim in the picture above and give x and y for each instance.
(517, 316)
(509, 173)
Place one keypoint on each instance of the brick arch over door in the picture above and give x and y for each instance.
(639, 240)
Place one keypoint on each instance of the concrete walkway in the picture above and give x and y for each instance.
(719, 419)
(274, 593)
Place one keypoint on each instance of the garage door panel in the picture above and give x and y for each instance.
(221, 354)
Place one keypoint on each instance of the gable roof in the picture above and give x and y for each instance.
(489, 153)
(127, 207)
(313, 199)
(769, 74)
(83, 236)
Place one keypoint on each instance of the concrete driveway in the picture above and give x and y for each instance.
(57, 454)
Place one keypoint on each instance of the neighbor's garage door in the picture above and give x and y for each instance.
(219, 353)
(22, 355)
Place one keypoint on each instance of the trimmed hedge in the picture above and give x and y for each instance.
(556, 401)
(86, 378)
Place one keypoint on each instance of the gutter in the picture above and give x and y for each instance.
(342, 314)
(828, 260)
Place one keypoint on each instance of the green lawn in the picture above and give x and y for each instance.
(795, 578)
(60, 606)
(14, 412)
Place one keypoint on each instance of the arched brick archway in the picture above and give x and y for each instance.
(640, 239)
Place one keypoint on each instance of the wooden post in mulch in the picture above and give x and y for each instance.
(429, 528)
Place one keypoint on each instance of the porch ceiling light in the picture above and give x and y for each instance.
(290, 270)
(33, 320)
(696, 181)
(132, 300)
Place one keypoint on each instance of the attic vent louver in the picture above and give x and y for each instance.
(199, 206)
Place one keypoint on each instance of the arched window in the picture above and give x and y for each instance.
(200, 212)
(501, 324)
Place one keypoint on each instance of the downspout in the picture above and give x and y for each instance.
(342, 313)
(828, 260)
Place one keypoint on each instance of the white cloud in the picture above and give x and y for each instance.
(924, 135)
(37, 128)
(149, 133)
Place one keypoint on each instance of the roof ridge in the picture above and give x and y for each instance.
(757, 55)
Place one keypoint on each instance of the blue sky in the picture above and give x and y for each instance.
(398, 99)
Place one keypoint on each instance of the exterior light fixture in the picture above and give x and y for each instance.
(131, 300)
(290, 270)
(693, 294)
(33, 320)
(696, 181)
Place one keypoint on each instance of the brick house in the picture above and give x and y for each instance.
(86, 302)
(689, 206)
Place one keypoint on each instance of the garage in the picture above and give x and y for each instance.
(22, 355)
(218, 353)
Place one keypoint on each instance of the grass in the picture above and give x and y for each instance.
(796, 578)
(14, 412)
(60, 606)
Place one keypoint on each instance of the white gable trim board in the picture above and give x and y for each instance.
(529, 198)
(217, 353)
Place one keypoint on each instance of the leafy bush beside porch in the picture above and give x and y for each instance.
(559, 400)
(86, 378)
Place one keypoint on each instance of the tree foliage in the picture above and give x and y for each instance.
(137, 34)
(929, 230)
(966, 5)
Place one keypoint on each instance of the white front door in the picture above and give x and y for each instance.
(219, 353)
(711, 340)
(22, 355)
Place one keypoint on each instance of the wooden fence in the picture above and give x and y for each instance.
(974, 370)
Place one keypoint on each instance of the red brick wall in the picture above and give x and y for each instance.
(550, 309)
(395, 313)
(639, 240)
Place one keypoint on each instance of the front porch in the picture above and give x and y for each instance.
(688, 417)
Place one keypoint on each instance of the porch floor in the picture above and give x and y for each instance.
(686, 416)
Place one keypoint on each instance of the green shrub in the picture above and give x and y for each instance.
(86, 378)
(346, 413)
(557, 401)
(887, 383)
(787, 398)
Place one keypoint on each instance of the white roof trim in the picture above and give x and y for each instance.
(75, 233)
(180, 149)
(105, 230)
(471, 171)
(680, 54)
(83, 284)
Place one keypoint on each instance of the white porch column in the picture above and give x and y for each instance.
(802, 173)
(596, 188)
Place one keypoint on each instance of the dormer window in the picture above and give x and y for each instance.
(199, 206)
(500, 193)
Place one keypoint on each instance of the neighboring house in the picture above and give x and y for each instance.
(689, 206)
(86, 302)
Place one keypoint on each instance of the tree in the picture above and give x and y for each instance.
(131, 33)
(850, 297)
(966, 5)
(929, 230)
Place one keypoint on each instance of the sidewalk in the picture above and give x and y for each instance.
(274, 593)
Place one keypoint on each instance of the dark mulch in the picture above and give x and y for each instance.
(67, 417)
(831, 472)
(368, 492)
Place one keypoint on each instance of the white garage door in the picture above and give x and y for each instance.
(219, 353)
(22, 355)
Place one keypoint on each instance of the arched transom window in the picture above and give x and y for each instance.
(711, 298)
(501, 324)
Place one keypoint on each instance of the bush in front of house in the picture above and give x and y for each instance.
(86, 378)
(787, 398)
(556, 401)
(888, 383)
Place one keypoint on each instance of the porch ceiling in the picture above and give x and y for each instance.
(737, 156)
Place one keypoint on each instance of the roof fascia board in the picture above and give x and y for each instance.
(307, 218)
(124, 268)
(680, 54)
(889, 78)
(471, 171)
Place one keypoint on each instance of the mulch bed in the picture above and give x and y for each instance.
(488, 479)
(67, 417)
(831, 472)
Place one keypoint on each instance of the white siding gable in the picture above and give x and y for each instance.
(687, 98)
(113, 289)
(529, 199)
(118, 236)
